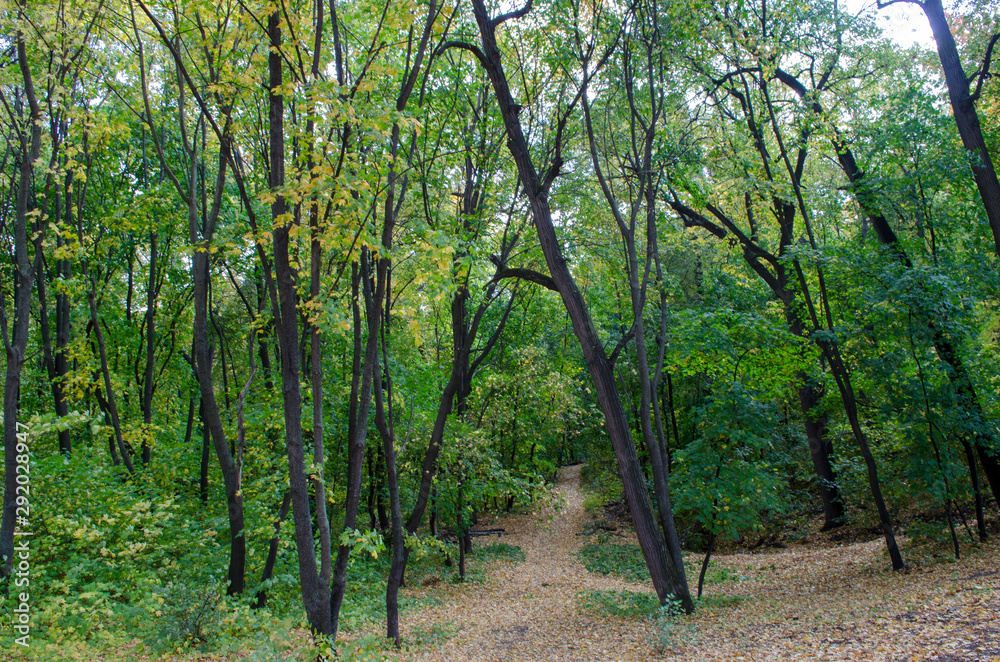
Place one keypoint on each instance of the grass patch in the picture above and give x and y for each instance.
(501, 551)
(430, 636)
(711, 601)
(627, 604)
(625, 561)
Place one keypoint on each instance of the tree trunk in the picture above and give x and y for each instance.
(147, 384)
(820, 450)
(668, 580)
(398, 566)
(108, 392)
(966, 118)
(314, 599)
(356, 444)
(16, 339)
(272, 551)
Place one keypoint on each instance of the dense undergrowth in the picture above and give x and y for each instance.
(123, 568)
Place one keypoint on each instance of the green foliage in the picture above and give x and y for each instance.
(623, 560)
(501, 551)
(669, 624)
(624, 604)
(728, 478)
(191, 614)
(141, 555)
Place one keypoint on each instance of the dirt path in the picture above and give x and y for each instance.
(807, 603)
(530, 611)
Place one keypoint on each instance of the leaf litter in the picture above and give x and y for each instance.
(832, 604)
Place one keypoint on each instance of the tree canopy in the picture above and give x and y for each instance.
(385, 265)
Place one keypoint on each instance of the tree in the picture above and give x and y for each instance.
(667, 572)
(963, 105)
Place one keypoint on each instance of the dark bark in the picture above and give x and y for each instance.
(55, 383)
(15, 336)
(105, 372)
(963, 107)
(314, 598)
(373, 297)
(63, 336)
(272, 551)
(385, 428)
(705, 562)
(206, 446)
(147, 384)
(820, 449)
(668, 579)
(360, 400)
(201, 237)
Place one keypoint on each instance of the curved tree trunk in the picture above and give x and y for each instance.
(668, 580)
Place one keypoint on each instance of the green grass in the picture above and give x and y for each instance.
(624, 561)
(626, 604)
(430, 636)
(501, 551)
(710, 601)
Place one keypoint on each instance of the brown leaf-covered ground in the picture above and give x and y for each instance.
(805, 603)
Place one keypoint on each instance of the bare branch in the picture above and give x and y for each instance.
(523, 11)
(984, 71)
(453, 43)
(622, 342)
(692, 219)
(503, 271)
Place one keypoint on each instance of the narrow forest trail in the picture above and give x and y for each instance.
(530, 611)
(821, 602)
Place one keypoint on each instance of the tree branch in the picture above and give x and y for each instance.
(622, 342)
(984, 71)
(692, 219)
(518, 13)
(454, 43)
(883, 5)
(503, 271)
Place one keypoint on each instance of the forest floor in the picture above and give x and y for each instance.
(811, 602)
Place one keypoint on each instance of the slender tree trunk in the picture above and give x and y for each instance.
(667, 579)
(105, 372)
(147, 385)
(16, 339)
(63, 336)
(202, 238)
(356, 450)
(206, 445)
(398, 566)
(315, 601)
(54, 382)
(272, 551)
(966, 118)
(705, 562)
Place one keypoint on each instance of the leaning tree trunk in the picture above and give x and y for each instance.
(966, 118)
(957, 373)
(666, 579)
(356, 443)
